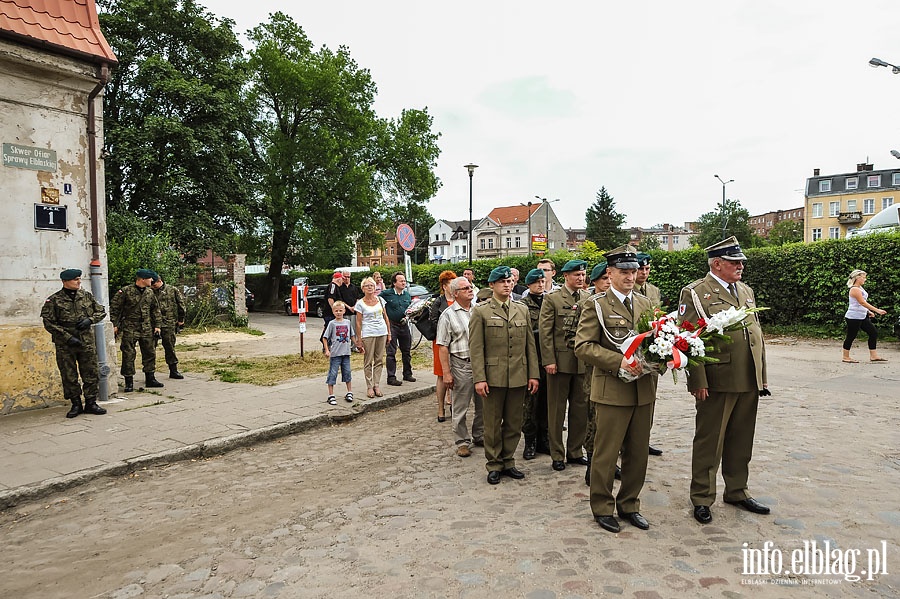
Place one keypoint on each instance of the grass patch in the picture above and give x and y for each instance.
(273, 370)
(224, 328)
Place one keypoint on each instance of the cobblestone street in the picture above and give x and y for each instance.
(382, 507)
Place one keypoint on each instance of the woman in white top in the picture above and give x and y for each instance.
(858, 317)
(375, 332)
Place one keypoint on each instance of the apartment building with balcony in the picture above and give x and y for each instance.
(839, 203)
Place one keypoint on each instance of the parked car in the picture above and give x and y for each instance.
(315, 299)
(886, 221)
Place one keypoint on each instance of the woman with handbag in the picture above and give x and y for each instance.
(375, 331)
(439, 305)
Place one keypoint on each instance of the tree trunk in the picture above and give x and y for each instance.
(271, 291)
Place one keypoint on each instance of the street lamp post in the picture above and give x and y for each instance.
(724, 219)
(877, 62)
(529, 228)
(471, 168)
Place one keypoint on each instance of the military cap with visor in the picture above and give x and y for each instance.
(727, 249)
(624, 257)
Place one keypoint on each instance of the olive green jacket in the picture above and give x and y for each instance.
(559, 313)
(502, 347)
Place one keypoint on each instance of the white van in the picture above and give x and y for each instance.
(886, 221)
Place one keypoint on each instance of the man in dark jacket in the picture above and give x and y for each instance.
(68, 316)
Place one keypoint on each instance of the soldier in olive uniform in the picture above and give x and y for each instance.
(652, 293)
(68, 316)
(727, 391)
(171, 308)
(565, 373)
(534, 426)
(623, 410)
(135, 315)
(499, 331)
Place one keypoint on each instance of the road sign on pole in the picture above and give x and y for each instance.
(406, 237)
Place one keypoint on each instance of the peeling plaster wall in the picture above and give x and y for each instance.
(43, 104)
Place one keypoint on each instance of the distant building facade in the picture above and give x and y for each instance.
(505, 231)
(763, 223)
(575, 238)
(669, 237)
(839, 203)
(386, 254)
(448, 241)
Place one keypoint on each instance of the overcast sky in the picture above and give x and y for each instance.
(649, 99)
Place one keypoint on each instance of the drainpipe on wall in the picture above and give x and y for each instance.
(96, 282)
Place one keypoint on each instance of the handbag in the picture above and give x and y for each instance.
(426, 326)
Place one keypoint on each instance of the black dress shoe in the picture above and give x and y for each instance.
(637, 520)
(702, 514)
(751, 505)
(618, 473)
(558, 465)
(442, 419)
(513, 473)
(582, 461)
(494, 477)
(608, 523)
(655, 451)
(394, 382)
(409, 379)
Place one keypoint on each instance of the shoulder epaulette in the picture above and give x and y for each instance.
(694, 284)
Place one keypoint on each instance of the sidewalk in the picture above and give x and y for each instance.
(42, 451)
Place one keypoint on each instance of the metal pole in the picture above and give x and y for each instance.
(529, 228)
(547, 208)
(724, 221)
(471, 168)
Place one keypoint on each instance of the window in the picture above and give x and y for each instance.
(834, 233)
(437, 237)
(675, 240)
(443, 237)
(464, 253)
(518, 242)
(885, 202)
(895, 179)
(852, 183)
(873, 181)
(851, 205)
(869, 206)
(834, 208)
(824, 185)
(491, 243)
(664, 240)
(508, 242)
(816, 234)
(817, 210)
(482, 244)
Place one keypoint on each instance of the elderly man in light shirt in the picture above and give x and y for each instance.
(453, 350)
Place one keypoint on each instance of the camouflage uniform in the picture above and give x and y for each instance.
(171, 308)
(135, 312)
(75, 348)
(534, 427)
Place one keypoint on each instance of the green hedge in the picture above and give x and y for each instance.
(801, 283)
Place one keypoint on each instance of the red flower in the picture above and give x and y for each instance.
(701, 324)
(682, 344)
(687, 326)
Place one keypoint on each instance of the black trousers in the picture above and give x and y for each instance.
(399, 337)
(853, 327)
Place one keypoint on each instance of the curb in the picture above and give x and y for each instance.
(204, 449)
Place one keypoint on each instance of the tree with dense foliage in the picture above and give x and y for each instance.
(330, 167)
(648, 243)
(173, 155)
(786, 231)
(737, 223)
(604, 224)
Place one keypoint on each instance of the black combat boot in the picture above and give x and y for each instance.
(530, 446)
(173, 372)
(76, 408)
(543, 444)
(129, 384)
(92, 407)
(150, 380)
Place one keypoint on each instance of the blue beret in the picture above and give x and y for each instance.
(574, 266)
(534, 275)
(144, 273)
(598, 271)
(501, 272)
(69, 274)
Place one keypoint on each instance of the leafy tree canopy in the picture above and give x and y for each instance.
(604, 224)
(786, 231)
(737, 223)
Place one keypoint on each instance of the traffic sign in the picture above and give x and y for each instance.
(405, 237)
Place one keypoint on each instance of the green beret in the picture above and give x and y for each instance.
(574, 266)
(501, 272)
(154, 275)
(643, 258)
(69, 274)
(144, 273)
(534, 275)
(598, 271)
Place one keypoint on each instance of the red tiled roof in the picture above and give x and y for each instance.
(509, 215)
(70, 26)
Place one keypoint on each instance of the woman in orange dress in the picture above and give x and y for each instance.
(446, 298)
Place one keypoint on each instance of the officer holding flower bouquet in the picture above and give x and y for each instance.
(727, 391)
(623, 411)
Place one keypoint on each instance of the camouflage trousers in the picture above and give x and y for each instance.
(148, 353)
(72, 360)
(168, 342)
(535, 422)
